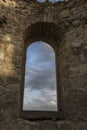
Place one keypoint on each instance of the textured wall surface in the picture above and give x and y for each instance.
(16, 24)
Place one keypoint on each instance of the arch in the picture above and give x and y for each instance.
(51, 34)
(47, 32)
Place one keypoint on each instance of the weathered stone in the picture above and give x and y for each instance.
(65, 13)
(63, 24)
(49, 125)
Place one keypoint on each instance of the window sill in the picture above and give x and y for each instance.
(35, 115)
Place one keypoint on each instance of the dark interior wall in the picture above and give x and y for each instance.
(70, 35)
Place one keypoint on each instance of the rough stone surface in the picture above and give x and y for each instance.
(63, 23)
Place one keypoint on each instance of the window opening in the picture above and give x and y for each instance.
(40, 87)
(53, 1)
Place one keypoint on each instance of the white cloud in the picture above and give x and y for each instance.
(40, 78)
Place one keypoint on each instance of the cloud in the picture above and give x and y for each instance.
(47, 101)
(53, 1)
(40, 78)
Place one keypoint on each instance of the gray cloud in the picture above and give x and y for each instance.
(47, 101)
(40, 78)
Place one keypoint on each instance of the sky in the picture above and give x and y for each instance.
(53, 1)
(40, 78)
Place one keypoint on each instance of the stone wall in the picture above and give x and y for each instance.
(70, 18)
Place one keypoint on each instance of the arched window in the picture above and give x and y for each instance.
(40, 86)
(41, 93)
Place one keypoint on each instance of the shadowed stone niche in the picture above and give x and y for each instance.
(48, 33)
(3, 21)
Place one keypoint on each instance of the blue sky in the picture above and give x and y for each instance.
(40, 78)
(53, 1)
